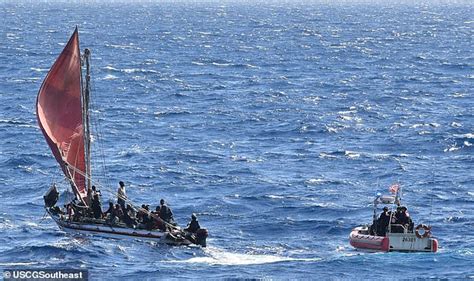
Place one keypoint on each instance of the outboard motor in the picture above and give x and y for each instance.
(201, 236)
(51, 196)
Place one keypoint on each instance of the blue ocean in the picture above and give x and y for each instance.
(276, 122)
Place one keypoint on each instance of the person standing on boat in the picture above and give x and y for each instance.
(96, 207)
(95, 191)
(404, 218)
(70, 212)
(165, 213)
(193, 225)
(89, 196)
(121, 195)
(383, 222)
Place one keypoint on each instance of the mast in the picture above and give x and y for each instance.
(85, 118)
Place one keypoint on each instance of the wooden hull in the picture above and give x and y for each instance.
(403, 242)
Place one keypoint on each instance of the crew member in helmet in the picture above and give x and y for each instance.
(383, 221)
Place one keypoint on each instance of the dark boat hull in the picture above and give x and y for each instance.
(118, 232)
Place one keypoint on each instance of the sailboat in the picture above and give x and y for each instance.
(63, 116)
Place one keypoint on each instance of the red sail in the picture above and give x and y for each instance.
(59, 113)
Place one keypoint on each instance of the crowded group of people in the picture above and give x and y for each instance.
(399, 221)
(121, 212)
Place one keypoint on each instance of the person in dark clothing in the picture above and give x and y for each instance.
(401, 216)
(193, 225)
(155, 214)
(141, 213)
(401, 220)
(96, 207)
(129, 217)
(404, 218)
(165, 212)
(70, 211)
(154, 221)
(383, 222)
(95, 191)
(118, 212)
(89, 197)
(110, 211)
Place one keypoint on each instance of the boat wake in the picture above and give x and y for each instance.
(217, 256)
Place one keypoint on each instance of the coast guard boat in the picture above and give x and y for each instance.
(63, 116)
(394, 230)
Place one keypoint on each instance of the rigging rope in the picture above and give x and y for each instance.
(43, 218)
(125, 198)
(97, 128)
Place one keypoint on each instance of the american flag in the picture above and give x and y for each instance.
(394, 188)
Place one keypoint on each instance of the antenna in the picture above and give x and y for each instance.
(431, 197)
(431, 210)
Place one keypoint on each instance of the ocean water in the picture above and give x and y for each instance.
(276, 123)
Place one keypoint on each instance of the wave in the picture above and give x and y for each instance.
(217, 256)
(130, 70)
(109, 77)
(65, 248)
(467, 136)
(18, 263)
(39, 69)
(223, 63)
(322, 181)
(24, 80)
(172, 112)
(123, 47)
(14, 122)
(349, 154)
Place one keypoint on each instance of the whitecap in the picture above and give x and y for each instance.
(6, 224)
(468, 136)
(458, 95)
(39, 69)
(134, 70)
(108, 67)
(452, 148)
(221, 64)
(316, 181)
(215, 256)
(130, 46)
(327, 156)
(275, 196)
(352, 154)
(12, 36)
(197, 63)
(109, 77)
